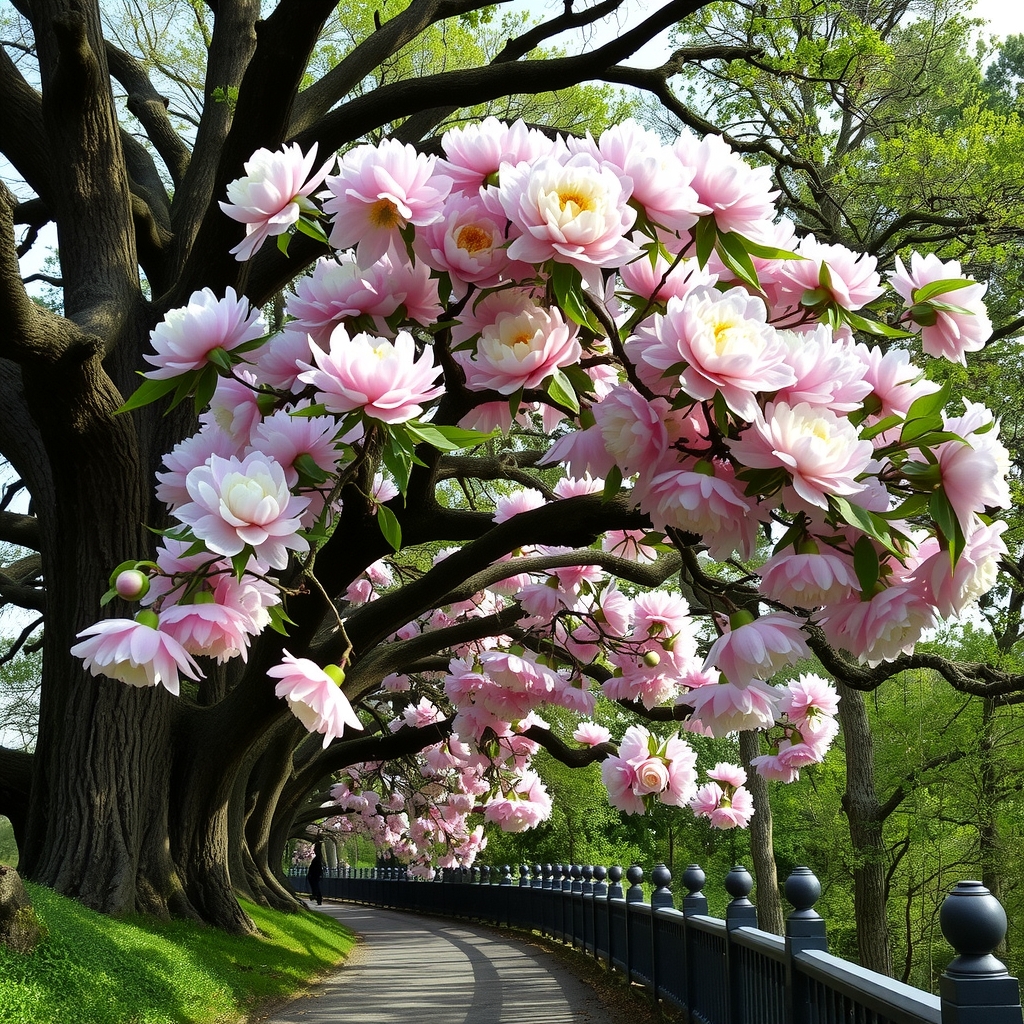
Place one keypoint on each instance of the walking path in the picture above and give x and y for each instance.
(409, 969)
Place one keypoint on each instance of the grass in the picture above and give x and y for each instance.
(92, 969)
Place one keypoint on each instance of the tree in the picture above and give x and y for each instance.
(140, 799)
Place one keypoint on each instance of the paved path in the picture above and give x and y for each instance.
(409, 969)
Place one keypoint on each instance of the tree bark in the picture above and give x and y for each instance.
(762, 845)
(864, 814)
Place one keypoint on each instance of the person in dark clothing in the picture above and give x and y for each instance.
(314, 874)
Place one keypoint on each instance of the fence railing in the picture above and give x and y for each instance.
(719, 971)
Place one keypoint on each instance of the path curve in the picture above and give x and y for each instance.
(409, 969)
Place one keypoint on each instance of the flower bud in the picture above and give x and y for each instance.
(652, 659)
(131, 584)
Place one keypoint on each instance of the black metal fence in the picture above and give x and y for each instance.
(719, 971)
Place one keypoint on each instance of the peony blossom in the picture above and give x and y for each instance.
(378, 191)
(314, 697)
(273, 194)
(205, 627)
(521, 350)
(947, 332)
(819, 451)
(571, 211)
(723, 343)
(236, 503)
(186, 336)
(382, 380)
(758, 648)
(590, 734)
(135, 652)
(724, 707)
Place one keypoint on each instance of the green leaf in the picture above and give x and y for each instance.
(147, 392)
(880, 427)
(865, 564)
(389, 526)
(792, 535)
(567, 283)
(514, 401)
(278, 618)
(581, 381)
(221, 359)
(310, 474)
(704, 235)
(875, 327)
(944, 516)
(913, 506)
(560, 389)
(448, 439)
(240, 561)
(398, 462)
(312, 229)
(867, 522)
(612, 484)
(729, 247)
(282, 242)
(206, 385)
(319, 409)
(768, 252)
(931, 404)
(952, 284)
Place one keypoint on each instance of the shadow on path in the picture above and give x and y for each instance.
(409, 969)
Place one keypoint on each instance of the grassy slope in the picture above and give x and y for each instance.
(93, 969)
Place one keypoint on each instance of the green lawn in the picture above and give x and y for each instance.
(92, 969)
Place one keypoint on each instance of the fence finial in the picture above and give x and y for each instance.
(805, 928)
(740, 913)
(662, 895)
(694, 902)
(976, 985)
(635, 892)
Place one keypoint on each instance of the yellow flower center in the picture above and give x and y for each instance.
(577, 202)
(473, 239)
(384, 214)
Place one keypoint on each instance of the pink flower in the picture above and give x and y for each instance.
(620, 778)
(571, 211)
(521, 350)
(758, 648)
(286, 438)
(314, 697)
(475, 152)
(590, 734)
(234, 407)
(853, 282)
(187, 455)
(951, 589)
(660, 180)
(651, 776)
(771, 767)
(808, 696)
(807, 580)
(896, 383)
(709, 503)
(418, 716)
(724, 707)
(633, 429)
(663, 280)
(378, 191)
(944, 332)
(244, 502)
(829, 373)
(468, 243)
(820, 451)
(974, 471)
(186, 336)
(724, 344)
(882, 628)
(382, 380)
(526, 806)
(205, 627)
(740, 196)
(524, 499)
(724, 809)
(136, 653)
(273, 194)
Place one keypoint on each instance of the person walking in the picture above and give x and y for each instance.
(314, 874)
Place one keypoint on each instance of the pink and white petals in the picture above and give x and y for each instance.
(314, 696)
(244, 502)
(136, 652)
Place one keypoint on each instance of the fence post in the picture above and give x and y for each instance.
(805, 929)
(740, 913)
(661, 898)
(976, 987)
(614, 893)
(694, 902)
(634, 894)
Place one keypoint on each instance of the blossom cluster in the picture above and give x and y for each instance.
(643, 304)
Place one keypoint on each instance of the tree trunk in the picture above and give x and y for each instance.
(864, 814)
(762, 846)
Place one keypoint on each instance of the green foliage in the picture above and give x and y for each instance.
(8, 847)
(93, 969)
